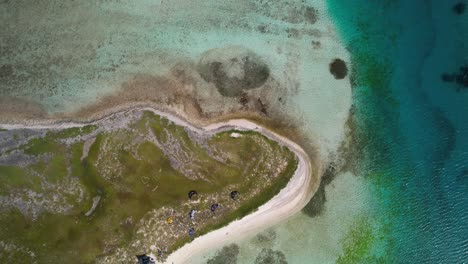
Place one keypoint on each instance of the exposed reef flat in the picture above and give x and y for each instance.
(116, 176)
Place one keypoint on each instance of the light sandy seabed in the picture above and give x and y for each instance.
(289, 201)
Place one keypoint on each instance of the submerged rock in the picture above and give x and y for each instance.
(459, 8)
(338, 69)
(461, 77)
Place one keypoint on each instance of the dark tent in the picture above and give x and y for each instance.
(214, 207)
(192, 193)
(234, 194)
(143, 259)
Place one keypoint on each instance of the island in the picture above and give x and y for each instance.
(137, 182)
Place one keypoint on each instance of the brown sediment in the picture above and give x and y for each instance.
(182, 91)
(13, 109)
(164, 93)
(338, 69)
(183, 106)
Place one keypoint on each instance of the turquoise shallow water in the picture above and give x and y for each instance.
(411, 125)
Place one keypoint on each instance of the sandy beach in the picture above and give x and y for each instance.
(289, 201)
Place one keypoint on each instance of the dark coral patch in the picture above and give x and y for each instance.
(243, 99)
(447, 77)
(311, 14)
(316, 205)
(6, 71)
(269, 256)
(338, 69)
(227, 255)
(460, 77)
(316, 44)
(262, 28)
(262, 106)
(266, 237)
(233, 70)
(459, 8)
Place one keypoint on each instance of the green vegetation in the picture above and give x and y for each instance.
(12, 177)
(134, 171)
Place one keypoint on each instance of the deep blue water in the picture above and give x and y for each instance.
(411, 126)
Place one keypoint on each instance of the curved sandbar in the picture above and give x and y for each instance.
(289, 201)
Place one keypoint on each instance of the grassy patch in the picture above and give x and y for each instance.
(13, 178)
(50, 142)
